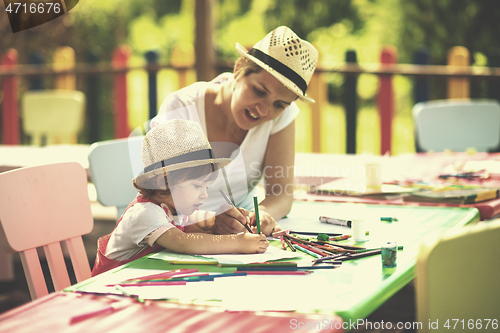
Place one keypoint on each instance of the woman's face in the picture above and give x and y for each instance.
(257, 98)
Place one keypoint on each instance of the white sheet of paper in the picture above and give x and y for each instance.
(272, 253)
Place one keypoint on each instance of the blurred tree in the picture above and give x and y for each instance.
(305, 16)
(442, 24)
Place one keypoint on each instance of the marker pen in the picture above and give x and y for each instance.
(331, 220)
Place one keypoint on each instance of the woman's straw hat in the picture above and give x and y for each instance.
(174, 145)
(287, 57)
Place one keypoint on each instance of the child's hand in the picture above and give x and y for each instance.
(231, 220)
(267, 223)
(252, 243)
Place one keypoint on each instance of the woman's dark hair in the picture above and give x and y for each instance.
(150, 187)
(247, 67)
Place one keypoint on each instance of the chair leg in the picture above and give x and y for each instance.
(79, 258)
(34, 273)
(57, 266)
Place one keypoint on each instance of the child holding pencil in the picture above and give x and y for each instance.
(179, 165)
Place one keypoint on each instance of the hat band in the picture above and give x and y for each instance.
(280, 68)
(204, 154)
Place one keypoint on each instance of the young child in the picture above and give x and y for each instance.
(178, 168)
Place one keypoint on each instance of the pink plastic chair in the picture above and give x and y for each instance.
(46, 206)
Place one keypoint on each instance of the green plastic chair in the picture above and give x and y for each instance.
(457, 278)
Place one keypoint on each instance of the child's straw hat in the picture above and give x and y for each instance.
(174, 145)
(287, 57)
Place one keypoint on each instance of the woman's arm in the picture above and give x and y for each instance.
(279, 177)
(279, 173)
(200, 243)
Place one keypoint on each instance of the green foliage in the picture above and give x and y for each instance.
(442, 24)
(305, 16)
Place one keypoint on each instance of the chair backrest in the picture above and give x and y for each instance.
(46, 206)
(112, 165)
(457, 125)
(457, 277)
(57, 115)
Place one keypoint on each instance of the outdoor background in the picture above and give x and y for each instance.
(94, 28)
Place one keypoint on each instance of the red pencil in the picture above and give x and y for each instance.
(153, 283)
(165, 275)
(312, 249)
(283, 243)
(278, 272)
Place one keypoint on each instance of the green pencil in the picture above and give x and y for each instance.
(256, 205)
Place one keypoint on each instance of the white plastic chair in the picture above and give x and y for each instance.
(457, 278)
(57, 115)
(46, 206)
(112, 170)
(457, 125)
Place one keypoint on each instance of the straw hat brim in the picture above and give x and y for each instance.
(143, 177)
(284, 80)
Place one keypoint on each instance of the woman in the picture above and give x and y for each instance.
(252, 110)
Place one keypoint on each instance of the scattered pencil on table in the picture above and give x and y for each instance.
(306, 251)
(283, 242)
(230, 203)
(126, 293)
(290, 246)
(339, 238)
(313, 233)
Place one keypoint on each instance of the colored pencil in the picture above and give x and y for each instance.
(306, 251)
(165, 275)
(335, 265)
(278, 272)
(152, 283)
(359, 255)
(313, 233)
(126, 293)
(257, 220)
(262, 264)
(312, 249)
(289, 244)
(262, 268)
(283, 243)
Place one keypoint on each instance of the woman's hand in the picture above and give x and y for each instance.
(231, 220)
(268, 224)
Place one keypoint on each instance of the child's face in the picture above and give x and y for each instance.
(189, 195)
